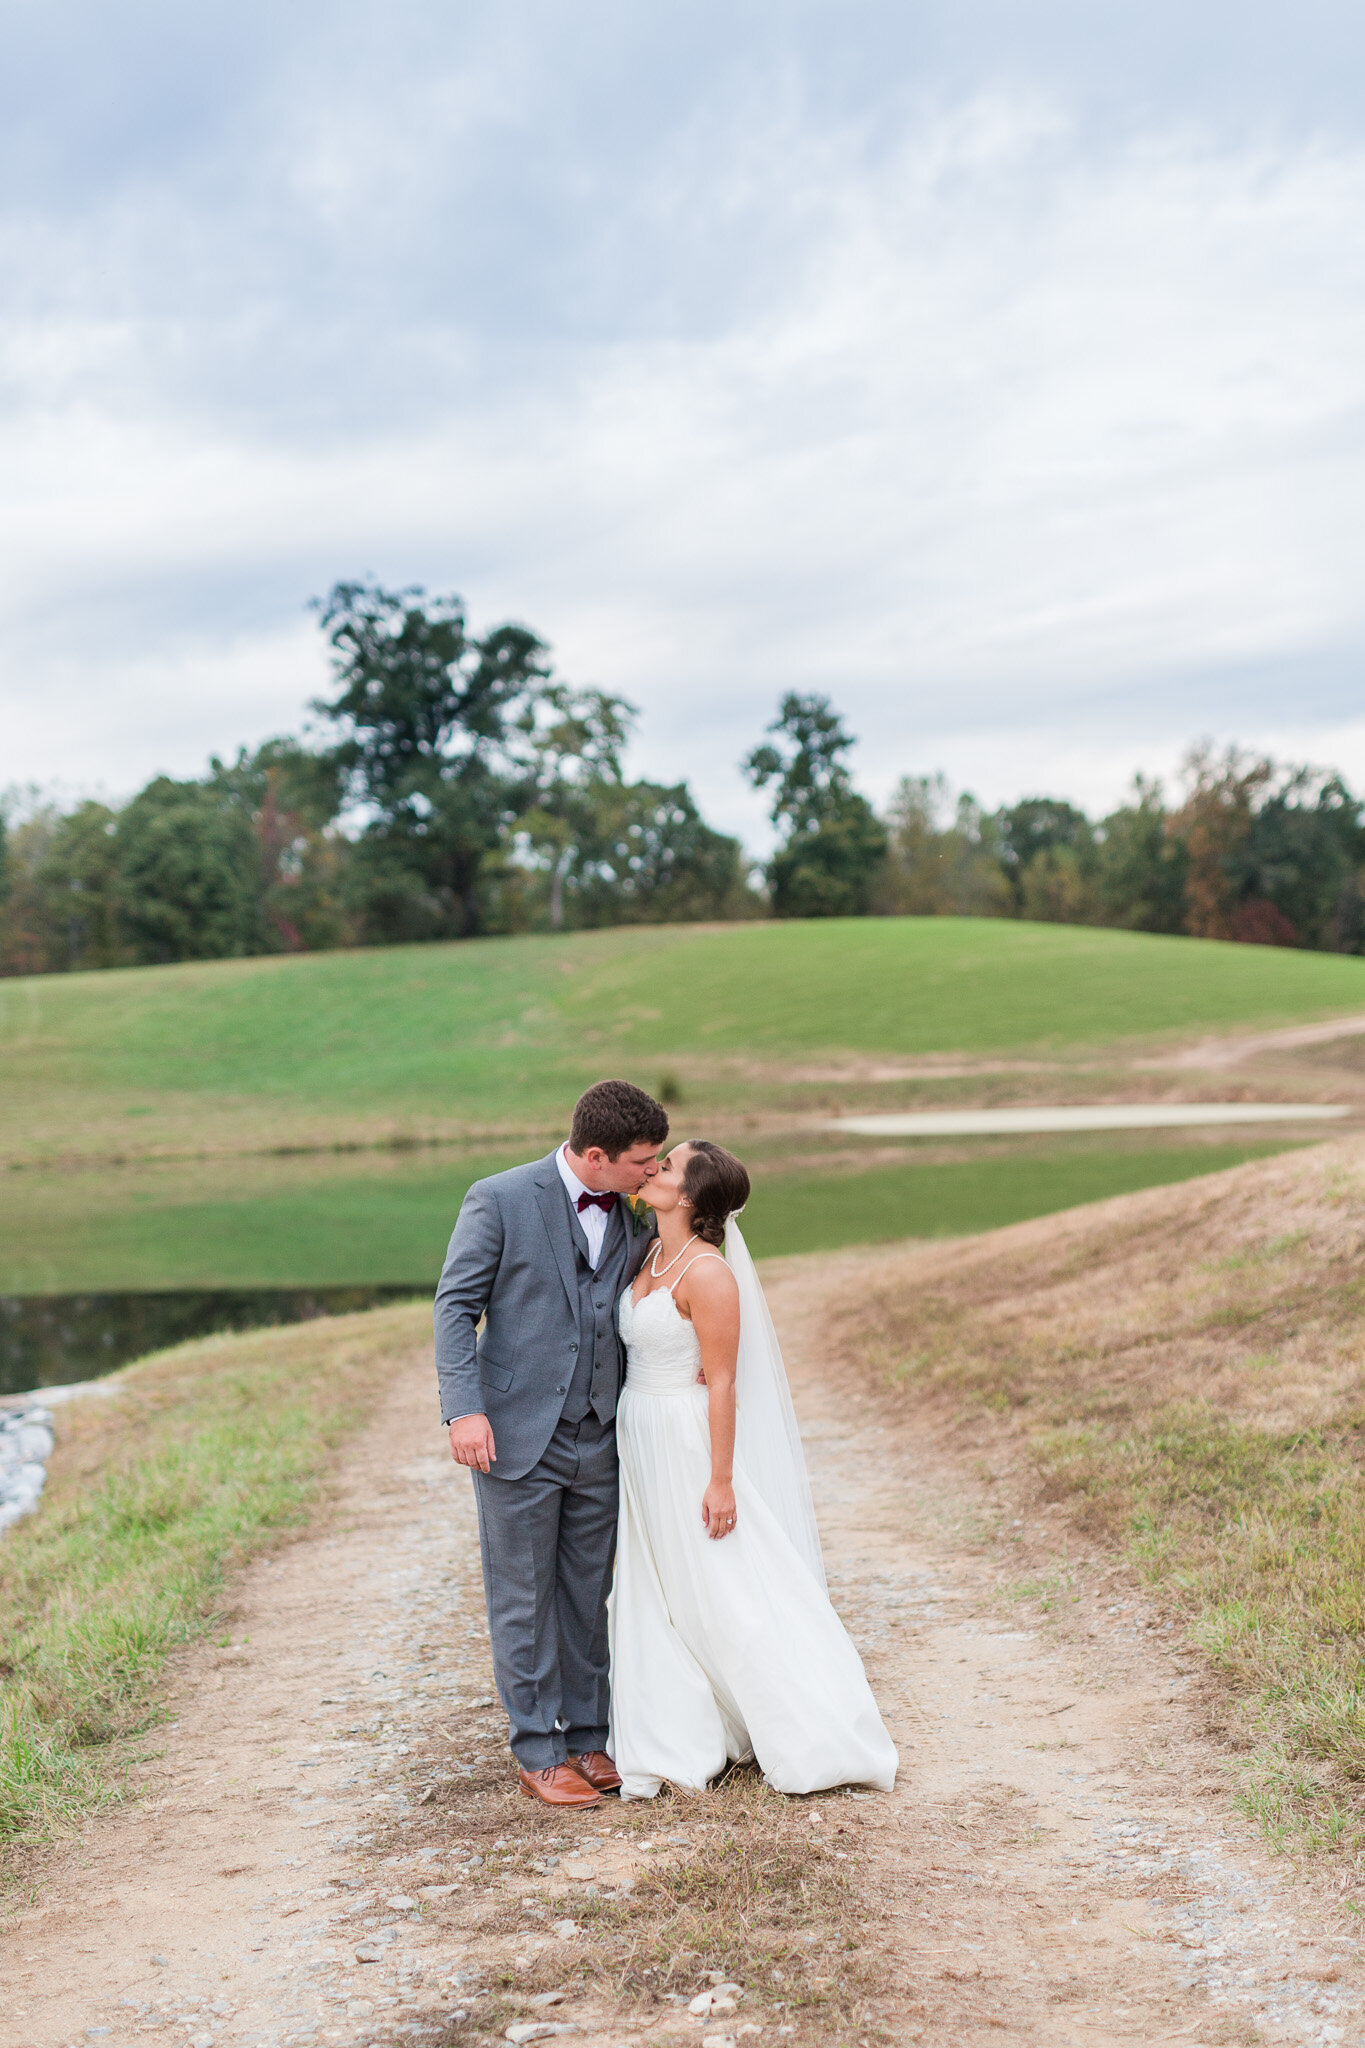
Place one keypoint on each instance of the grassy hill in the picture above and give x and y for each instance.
(494, 1034)
(273, 1120)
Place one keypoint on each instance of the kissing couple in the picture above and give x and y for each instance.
(626, 1406)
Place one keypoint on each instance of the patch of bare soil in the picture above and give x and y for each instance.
(927, 1067)
(1304, 1063)
(1232, 1048)
(332, 1849)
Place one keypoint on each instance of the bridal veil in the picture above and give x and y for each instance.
(767, 1436)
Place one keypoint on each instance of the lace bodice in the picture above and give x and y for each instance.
(663, 1351)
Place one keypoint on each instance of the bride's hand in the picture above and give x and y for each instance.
(718, 1508)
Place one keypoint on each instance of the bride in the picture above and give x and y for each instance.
(723, 1641)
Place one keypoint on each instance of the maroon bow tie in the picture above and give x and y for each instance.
(587, 1201)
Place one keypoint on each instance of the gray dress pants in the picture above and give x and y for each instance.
(548, 1543)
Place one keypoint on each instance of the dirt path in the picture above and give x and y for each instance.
(1060, 1861)
(1230, 1049)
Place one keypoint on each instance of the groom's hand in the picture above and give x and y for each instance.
(471, 1441)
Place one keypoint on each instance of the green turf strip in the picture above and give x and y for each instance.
(141, 1228)
(820, 1211)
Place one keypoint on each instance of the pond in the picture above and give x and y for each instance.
(50, 1340)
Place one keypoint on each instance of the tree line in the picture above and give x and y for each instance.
(454, 786)
(1248, 850)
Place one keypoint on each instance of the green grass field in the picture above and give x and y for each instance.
(500, 1033)
(243, 1122)
(386, 1222)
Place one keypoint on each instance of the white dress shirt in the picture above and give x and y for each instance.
(594, 1221)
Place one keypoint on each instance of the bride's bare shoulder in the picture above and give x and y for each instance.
(709, 1279)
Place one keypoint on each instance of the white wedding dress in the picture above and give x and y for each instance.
(722, 1648)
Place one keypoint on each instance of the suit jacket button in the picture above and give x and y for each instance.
(561, 1390)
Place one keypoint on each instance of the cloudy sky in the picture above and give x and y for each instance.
(995, 366)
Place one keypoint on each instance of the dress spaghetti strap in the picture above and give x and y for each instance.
(696, 1262)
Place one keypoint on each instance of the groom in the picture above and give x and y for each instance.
(543, 1253)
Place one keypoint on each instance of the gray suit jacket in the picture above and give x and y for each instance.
(512, 1261)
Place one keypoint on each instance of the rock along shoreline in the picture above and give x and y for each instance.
(27, 1435)
(26, 1440)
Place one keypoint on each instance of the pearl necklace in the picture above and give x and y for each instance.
(654, 1269)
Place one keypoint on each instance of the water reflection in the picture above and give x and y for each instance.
(48, 1340)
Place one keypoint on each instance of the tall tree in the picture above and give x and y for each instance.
(62, 910)
(1047, 847)
(425, 710)
(571, 742)
(291, 796)
(1302, 860)
(833, 844)
(652, 859)
(1040, 824)
(30, 938)
(1141, 865)
(80, 885)
(1057, 887)
(944, 858)
(1213, 826)
(187, 874)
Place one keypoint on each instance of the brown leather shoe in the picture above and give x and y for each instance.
(558, 1785)
(599, 1770)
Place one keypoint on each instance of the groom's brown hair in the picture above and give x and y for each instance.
(616, 1115)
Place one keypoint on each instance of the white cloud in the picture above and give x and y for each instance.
(182, 692)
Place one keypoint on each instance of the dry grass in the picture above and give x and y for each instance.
(739, 1884)
(1186, 1371)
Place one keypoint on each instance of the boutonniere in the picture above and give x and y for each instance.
(640, 1213)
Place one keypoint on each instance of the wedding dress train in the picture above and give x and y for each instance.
(722, 1648)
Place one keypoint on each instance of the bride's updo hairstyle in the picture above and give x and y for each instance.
(716, 1185)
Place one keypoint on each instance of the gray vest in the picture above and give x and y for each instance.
(512, 1265)
(596, 1376)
